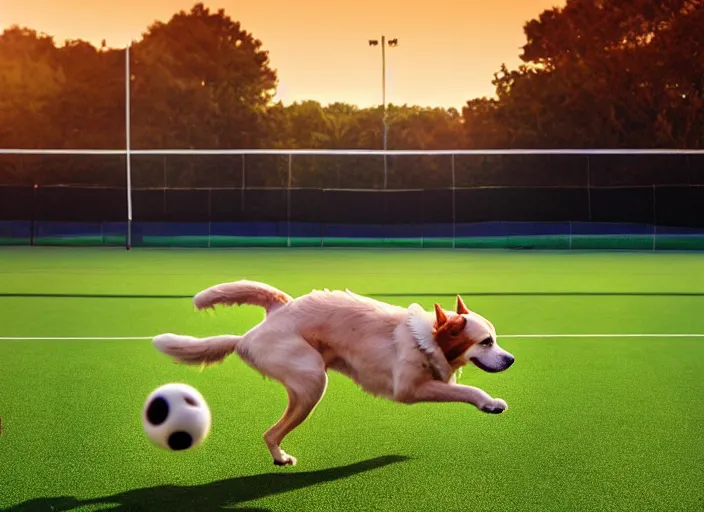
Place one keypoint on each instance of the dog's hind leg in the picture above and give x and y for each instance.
(301, 403)
(301, 369)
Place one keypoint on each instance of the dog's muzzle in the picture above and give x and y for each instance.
(500, 363)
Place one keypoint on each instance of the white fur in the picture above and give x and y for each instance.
(422, 327)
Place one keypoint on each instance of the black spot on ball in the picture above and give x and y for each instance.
(157, 411)
(180, 441)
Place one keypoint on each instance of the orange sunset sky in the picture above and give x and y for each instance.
(448, 49)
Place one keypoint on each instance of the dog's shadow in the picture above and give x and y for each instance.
(207, 497)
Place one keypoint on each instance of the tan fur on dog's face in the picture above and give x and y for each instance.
(467, 336)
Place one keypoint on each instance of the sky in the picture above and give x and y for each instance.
(447, 50)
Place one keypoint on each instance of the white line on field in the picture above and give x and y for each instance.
(601, 336)
(141, 338)
(74, 338)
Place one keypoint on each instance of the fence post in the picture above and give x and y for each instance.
(288, 202)
(454, 220)
(128, 159)
(35, 205)
(589, 187)
(210, 215)
(244, 183)
(655, 221)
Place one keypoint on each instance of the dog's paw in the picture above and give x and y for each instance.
(286, 460)
(496, 406)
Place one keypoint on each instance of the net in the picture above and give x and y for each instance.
(550, 199)
(69, 197)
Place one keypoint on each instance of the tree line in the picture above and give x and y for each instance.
(594, 74)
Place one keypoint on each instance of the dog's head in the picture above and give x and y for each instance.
(465, 336)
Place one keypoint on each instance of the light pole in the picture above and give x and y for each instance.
(392, 43)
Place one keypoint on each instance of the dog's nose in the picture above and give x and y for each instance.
(508, 361)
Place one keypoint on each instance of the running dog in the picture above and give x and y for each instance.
(406, 355)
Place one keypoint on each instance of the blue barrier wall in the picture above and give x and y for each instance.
(556, 235)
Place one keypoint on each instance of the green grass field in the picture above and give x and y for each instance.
(594, 423)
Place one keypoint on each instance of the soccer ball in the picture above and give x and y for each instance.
(176, 417)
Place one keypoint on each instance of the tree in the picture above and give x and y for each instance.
(371, 132)
(303, 120)
(339, 129)
(59, 98)
(607, 74)
(200, 80)
(90, 111)
(483, 126)
(414, 127)
(31, 80)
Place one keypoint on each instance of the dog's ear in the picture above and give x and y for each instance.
(452, 326)
(456, 324)
(461, 308)
(440, 316)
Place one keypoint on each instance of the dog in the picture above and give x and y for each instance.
(406, 355)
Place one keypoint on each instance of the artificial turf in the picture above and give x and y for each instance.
(593, 424)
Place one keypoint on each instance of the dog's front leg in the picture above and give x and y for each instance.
(435, 391)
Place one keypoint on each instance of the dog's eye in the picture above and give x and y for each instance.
(487, 342)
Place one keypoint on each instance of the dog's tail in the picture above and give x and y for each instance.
(242, 292)
(196, 351)
(190, 350)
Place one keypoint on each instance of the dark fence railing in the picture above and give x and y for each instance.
(259, 197)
